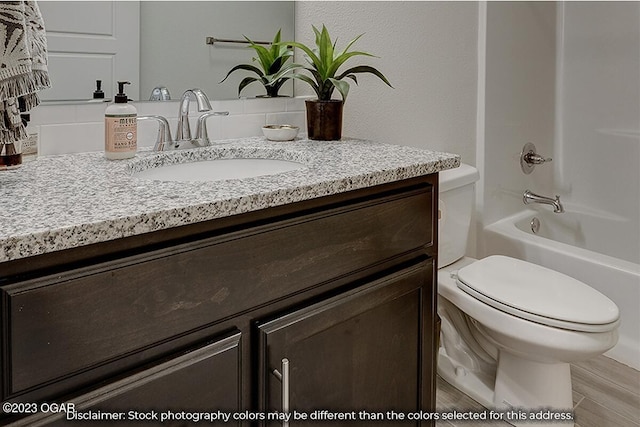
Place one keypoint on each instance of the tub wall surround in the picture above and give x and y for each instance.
(565, 77)
(600, 114)
(519, 103)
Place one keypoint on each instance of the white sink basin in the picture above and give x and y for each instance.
(218, 169)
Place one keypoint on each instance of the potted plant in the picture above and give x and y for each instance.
(324, 114)
(271, 61)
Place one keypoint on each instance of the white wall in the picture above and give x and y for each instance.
(427, 50)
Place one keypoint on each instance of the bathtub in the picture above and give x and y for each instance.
(567, 243)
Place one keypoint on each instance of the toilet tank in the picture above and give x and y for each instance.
(456, 204)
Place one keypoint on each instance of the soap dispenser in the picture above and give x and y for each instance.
(120, 127)
(98, 94)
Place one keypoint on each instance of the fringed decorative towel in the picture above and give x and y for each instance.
(23, 64)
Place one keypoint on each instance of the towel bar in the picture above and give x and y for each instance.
(214, 40)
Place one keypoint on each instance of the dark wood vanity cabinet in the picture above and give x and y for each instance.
(200, 318)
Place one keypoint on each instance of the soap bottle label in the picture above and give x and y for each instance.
(121, 133)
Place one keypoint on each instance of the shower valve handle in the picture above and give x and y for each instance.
(536, 159)
(529, 158)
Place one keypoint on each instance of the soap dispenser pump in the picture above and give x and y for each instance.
(98, 93)
(121, 127)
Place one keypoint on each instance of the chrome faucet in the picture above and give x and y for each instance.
(529, 197)
(183, 132)
(160, 93)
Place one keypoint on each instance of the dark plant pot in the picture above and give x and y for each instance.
(324, 119)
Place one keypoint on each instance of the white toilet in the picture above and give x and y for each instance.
(510, 328)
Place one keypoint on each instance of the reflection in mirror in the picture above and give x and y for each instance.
(156, 44)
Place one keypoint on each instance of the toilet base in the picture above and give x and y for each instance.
(522, 389)
(523, 383)
(464, 380)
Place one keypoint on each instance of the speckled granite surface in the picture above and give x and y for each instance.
(67, 201)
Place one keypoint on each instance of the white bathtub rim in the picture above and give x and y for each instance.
(507, 226)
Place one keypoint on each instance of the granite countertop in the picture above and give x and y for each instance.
(66, 201)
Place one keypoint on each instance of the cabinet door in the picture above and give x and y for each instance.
(204, 380)
(369, 349)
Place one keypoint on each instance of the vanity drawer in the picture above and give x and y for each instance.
(66, 323)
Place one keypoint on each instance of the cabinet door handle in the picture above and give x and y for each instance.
(284, 378)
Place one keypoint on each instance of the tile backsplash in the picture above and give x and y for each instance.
(74, 128)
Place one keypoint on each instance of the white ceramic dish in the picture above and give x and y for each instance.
(280, 132)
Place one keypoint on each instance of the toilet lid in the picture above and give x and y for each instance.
(538, 294)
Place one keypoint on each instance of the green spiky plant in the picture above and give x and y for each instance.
(271, 61)
(324, 64)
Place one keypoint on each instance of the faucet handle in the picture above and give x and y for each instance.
(164, 133)
(536, 159)
(202, 135)
(529, 158)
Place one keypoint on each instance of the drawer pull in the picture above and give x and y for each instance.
(284, 378)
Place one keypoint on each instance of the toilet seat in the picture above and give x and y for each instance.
(538, 294)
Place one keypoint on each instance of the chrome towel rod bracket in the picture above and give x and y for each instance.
(214, 40)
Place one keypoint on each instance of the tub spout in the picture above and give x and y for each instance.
(530, 197)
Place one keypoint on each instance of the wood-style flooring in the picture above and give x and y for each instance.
(605, 394)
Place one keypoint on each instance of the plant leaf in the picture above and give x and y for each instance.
(276, 65)
(342, 86)
(326, 53)
(245, 82)
(315, 61)
(343, 58)
(317, 33)
(309, 81)
(352, 77)
(247, 67)
(275, 49)
(350, 44)
(286, 70)
(364, 69)
(264, 55)
(289, 72)
(277, 84)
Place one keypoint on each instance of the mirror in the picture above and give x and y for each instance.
(156, 43)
